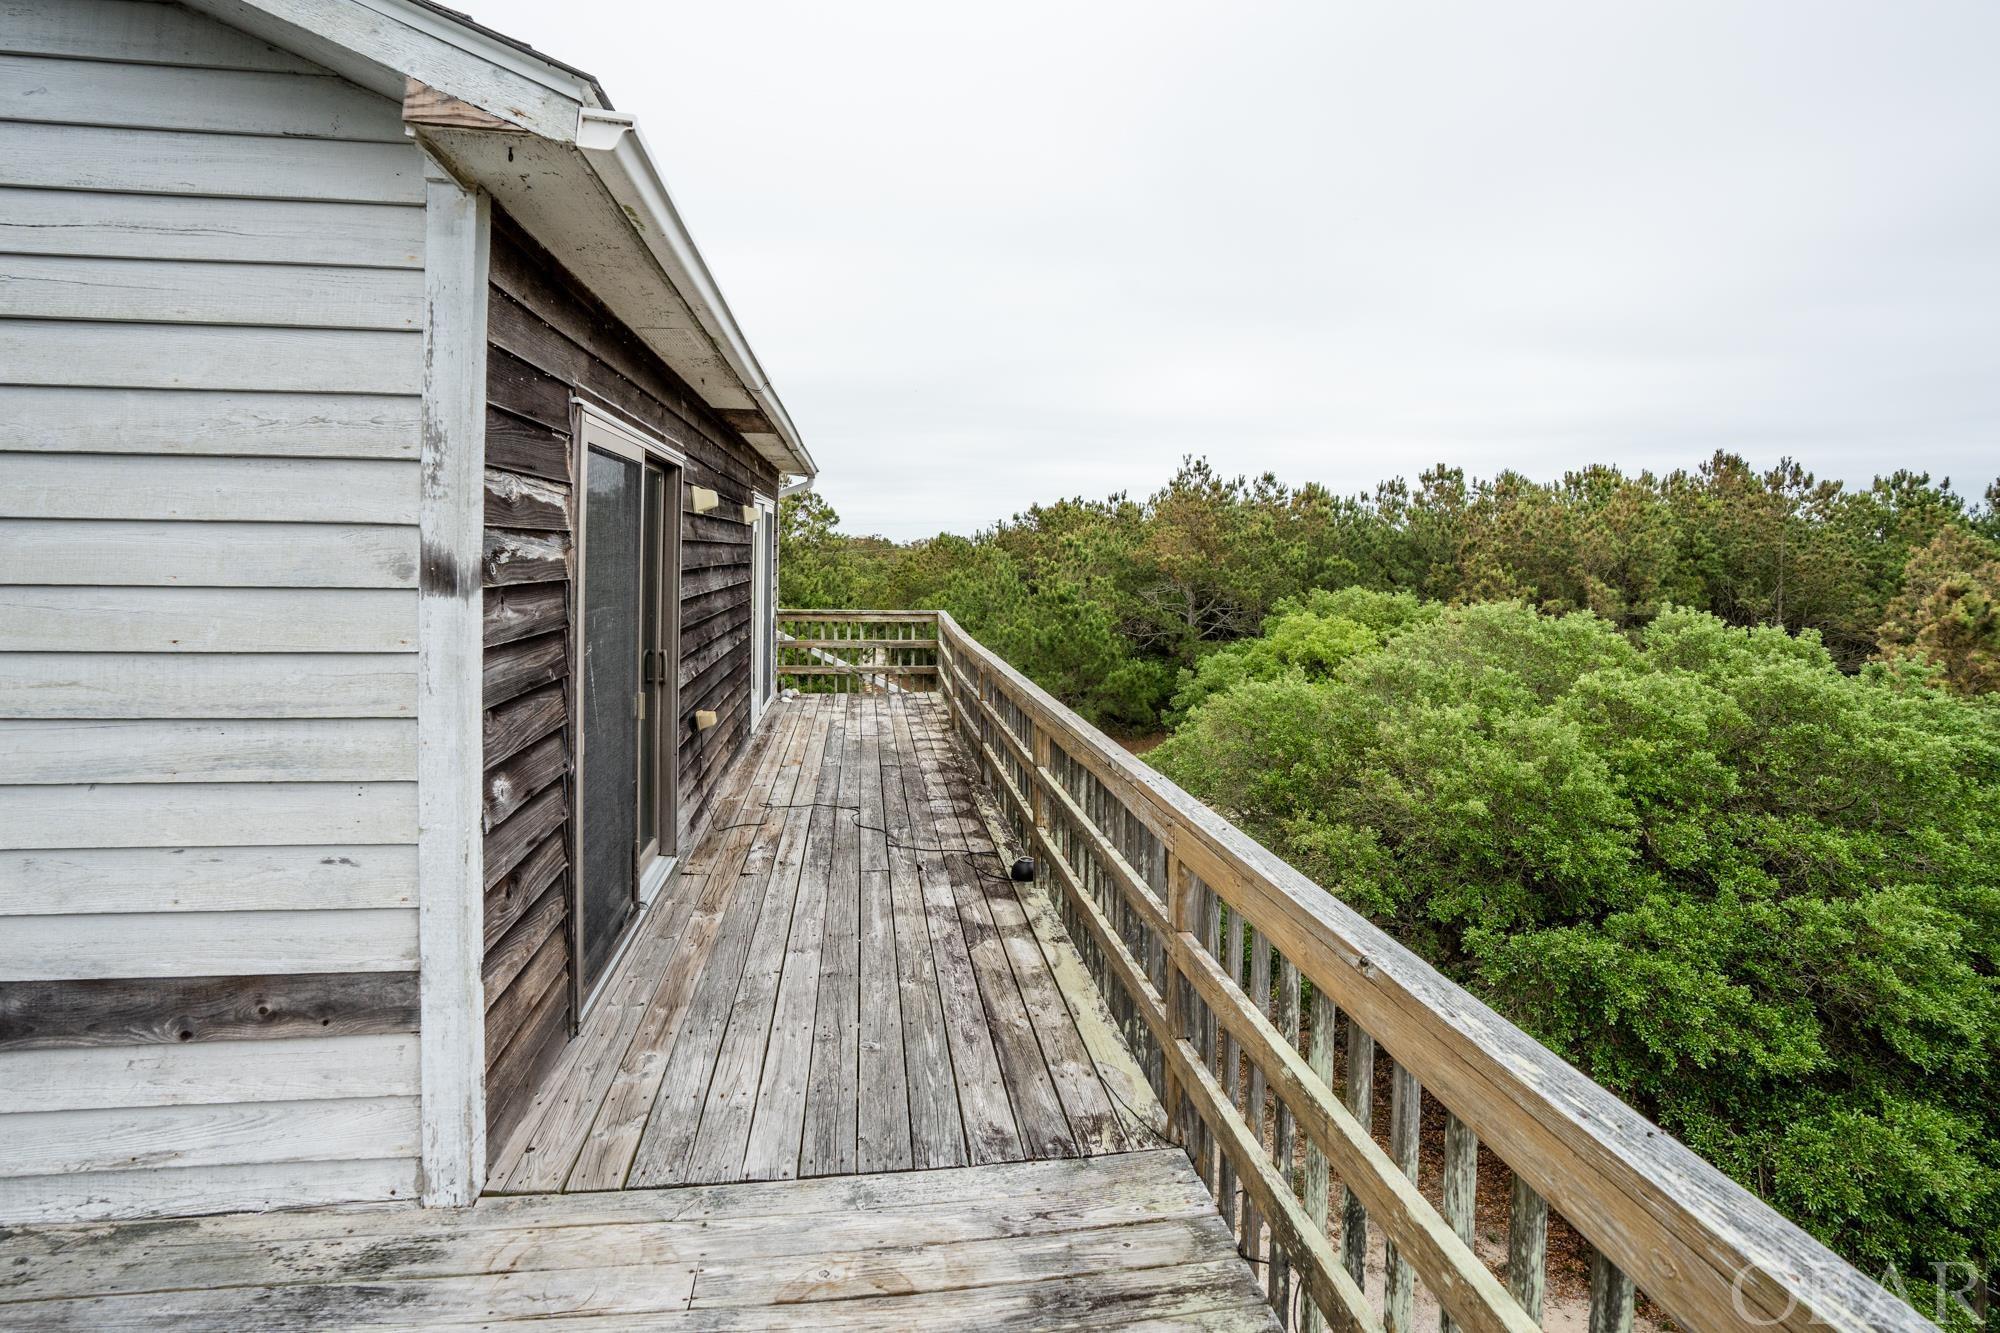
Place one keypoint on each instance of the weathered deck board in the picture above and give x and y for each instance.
(1045, 1130)
(990, 1131)
(724, 1135)
(833, 1094)
(882, 1123)
(841, 980)
(778, 1121)
(1079, 1085)
(937, 1133)
(635, 1019)
(1123, 1239)
(669, 1136)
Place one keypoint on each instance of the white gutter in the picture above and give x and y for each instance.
(611, 143)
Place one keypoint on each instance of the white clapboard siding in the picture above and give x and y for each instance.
(207, 879)
(177, 422)
(206, 814)
(98, 1196)
(207, 620)
(250, 231)
(208, 555)
(136, 30)
(211, 351)
(164, 685)
(206, 944)
(197, 356)
(199, 1073)
(171, 292)
(257, 490)
(164, 97)
(277, 750)
(223, 165)
(119, 1139)
(257, 1187)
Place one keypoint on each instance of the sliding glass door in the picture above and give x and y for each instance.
(660, 559)
(626, 683)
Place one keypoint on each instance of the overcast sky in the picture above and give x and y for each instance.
(993, 254)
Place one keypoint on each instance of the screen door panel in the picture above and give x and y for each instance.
(653, 544)
(614, 625)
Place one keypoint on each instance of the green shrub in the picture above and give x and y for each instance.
(1756, 897)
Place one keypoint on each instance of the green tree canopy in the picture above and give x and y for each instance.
(1151, 588)
(1948, 612)
(1757, 897)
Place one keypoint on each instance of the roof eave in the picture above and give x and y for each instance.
(502, 90)
(616, 151)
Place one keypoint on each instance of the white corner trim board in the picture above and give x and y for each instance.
(451, 509)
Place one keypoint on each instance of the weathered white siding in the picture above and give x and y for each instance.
(211, 300)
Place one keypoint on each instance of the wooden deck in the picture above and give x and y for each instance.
(870, 1069)
(1100, 1243)
(841, 979)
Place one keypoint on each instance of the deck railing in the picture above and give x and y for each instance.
(850, 652)
(1276, 1024)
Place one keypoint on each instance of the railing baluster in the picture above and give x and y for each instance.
(1461, 1186)
(1239, 944)
(1164, 873)
(1180, 911)
(1211, 940)
(1134, 931)
(1319, 1053)
(1254, 1105)
(1287, 1019)
(1611, 1297)
(1360, 1101)
(1232, 1059)
(1039, 747)
(1406, 1099)
(1528, 1248)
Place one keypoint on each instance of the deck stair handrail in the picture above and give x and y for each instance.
(1235, 977)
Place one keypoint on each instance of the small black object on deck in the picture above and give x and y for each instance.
(1024, 869)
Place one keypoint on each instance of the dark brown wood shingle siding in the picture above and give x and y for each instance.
(550, 340)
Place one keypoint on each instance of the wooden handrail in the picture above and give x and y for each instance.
(1154, 882)
(868, 617)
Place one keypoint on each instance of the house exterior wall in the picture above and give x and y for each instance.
(549, 341)
(211, 276)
